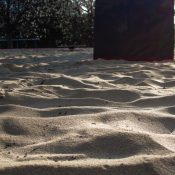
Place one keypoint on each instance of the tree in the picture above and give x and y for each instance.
(14, 15)
(87, 8)
(55, 22)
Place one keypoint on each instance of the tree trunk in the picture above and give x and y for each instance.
(9, 41)
(9, 28)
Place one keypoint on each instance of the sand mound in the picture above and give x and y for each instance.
(63, 113)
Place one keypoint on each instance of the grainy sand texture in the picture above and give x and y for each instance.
(62, 113)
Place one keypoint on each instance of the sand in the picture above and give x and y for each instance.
(61, 113)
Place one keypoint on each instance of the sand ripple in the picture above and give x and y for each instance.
(63, 113)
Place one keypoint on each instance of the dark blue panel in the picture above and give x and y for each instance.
(134, 29)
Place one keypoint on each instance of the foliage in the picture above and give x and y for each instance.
(55, 22)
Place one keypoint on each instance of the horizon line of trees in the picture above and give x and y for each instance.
(54, 22)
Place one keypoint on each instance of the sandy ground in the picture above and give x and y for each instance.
(61, 113)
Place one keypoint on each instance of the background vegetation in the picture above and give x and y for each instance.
(54, 22)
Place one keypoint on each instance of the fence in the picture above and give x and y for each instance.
(20, 43)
